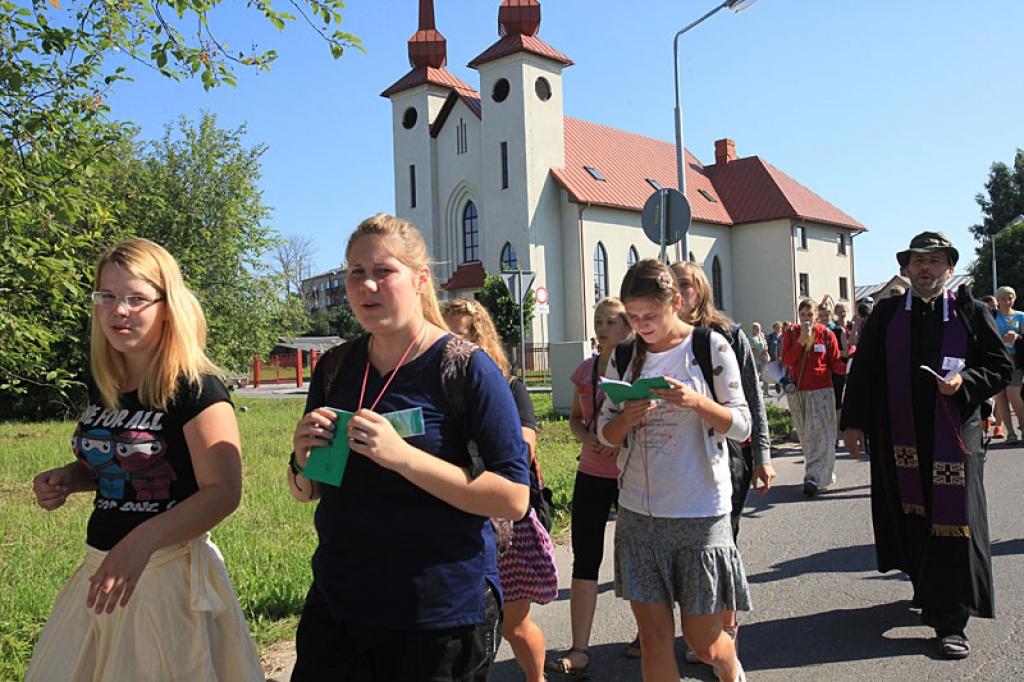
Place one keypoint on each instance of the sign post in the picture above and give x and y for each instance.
(666, 218)
(514, 284)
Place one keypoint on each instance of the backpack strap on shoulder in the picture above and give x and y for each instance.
(702, 352)
(455, 358)
(332, 362)
(623, 356)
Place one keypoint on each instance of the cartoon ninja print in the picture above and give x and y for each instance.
(95, 447)
(143, 456)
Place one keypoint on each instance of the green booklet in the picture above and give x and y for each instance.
(619, 391)
(327, 464)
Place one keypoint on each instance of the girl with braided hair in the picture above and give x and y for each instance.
(673, 539)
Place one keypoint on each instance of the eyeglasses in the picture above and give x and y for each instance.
(104, 299)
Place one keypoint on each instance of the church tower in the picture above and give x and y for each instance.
(416, 99)
(523, 138)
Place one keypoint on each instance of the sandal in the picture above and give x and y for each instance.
(633, 650)
(954, 646)
(563, 665)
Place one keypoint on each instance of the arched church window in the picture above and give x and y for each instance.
(470, 233)
(716, 283)
(600, 272)
(632, 257)
(509, 262)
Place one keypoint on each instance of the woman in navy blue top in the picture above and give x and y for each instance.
(404, 577)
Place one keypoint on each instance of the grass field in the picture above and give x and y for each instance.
(267, 543)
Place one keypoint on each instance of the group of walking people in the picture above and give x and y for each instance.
(430, 548)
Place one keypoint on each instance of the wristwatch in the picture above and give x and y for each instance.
(293, 464)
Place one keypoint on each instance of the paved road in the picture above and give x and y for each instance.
(822, 612)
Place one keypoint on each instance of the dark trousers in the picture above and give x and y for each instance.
(351, 652)
(741, 470)
(592, 499)
(946, 622)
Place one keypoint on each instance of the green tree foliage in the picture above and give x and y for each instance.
(197, 193)
(336, 321)
(65, 168)
(1002, 201)
(495, 297)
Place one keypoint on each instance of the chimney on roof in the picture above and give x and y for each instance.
(725, 151)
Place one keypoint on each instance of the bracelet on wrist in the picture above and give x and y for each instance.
(293, 464)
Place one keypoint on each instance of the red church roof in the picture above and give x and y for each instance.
(626, 161)
(741, 191)
(518, 42)
(427, 74)
(755, 191)
(466, 276)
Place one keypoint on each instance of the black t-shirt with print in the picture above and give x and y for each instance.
(139, 457)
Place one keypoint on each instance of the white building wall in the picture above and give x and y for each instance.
(415, 147)
(762, 273)
(821, 261)
(458, 181)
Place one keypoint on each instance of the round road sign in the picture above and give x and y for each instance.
(540, 295)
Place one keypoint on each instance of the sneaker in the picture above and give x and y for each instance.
(998, 432)
(810, 488)
(1012, 437)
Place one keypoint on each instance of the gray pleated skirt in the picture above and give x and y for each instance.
(691, 562)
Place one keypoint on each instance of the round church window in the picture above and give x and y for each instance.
(543, 89)
(409, 118)
(500, 91)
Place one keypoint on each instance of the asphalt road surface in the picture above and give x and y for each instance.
(821, 609)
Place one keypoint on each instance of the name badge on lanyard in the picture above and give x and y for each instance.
(819, 348)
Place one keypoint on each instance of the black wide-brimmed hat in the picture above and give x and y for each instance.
(927, 242)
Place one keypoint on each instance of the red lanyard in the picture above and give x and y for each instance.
(366, 373)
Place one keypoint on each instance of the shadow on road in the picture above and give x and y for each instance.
(606, 586)
(1006, 547)
(856, 559)
(834, 636)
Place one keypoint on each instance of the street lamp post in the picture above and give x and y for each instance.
(736, 6)
(1019, 220)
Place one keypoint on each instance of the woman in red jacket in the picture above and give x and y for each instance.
(810, 353)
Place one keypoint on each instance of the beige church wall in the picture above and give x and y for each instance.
(821, 262)
(565, 357)
(567, 301)
(762, 273)
(707, 241)
(414, 147)
(458, 180)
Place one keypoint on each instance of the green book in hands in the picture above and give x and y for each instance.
(327, 464)
(620, 391)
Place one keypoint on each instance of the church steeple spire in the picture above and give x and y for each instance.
(427, 47)
(519, 17)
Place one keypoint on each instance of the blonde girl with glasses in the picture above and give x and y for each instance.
(158, 447)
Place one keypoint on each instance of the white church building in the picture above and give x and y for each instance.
(498, 177)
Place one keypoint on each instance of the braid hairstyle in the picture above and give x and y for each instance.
(653, 280)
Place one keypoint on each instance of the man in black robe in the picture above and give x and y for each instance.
(924, 430)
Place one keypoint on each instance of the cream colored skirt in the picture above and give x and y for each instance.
(182, 623)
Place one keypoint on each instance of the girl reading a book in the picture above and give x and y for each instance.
(405, 583)
(673, 539)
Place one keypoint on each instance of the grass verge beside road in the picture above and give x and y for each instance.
(267, 543)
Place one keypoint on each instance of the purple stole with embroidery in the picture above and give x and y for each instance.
(948, 476)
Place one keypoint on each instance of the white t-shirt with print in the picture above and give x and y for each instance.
(666, 470)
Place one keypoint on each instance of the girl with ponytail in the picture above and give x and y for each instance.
(673, 539)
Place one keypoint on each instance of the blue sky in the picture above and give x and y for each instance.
(892, 110)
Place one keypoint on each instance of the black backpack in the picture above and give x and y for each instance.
(455, 359)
